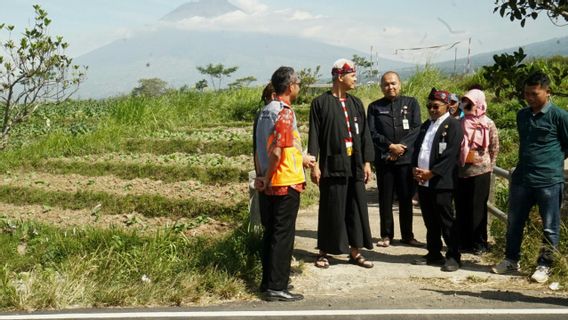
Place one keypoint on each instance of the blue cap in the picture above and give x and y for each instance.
(454, 97)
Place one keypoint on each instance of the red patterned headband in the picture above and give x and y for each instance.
(343, 70)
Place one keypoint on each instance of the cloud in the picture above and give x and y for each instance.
(303, 15)
(250, 6)
(356, 33)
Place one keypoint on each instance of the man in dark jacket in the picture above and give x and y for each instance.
(435, 162)
(394, 122)
(340, 138)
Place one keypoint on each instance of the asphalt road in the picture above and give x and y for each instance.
(286, 313)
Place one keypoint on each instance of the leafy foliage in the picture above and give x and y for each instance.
(508, 73)
(556, 10)
(201, 85)
(366, 71)
(242, 82)
(152, 87)
(33, 70)
(506, 76)
(217, 71)
(308, 78)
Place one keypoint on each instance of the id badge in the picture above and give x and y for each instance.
(405, 124)
(441, 147)
(349, 147)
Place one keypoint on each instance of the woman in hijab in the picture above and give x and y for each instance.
(480, 147)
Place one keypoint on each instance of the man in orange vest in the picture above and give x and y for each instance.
(281, 179)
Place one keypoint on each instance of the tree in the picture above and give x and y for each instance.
(507, 74)
(556, 10)
(201, 84)
(308, 78)
(242, 82)
(218, 72)
(365, 68)
(33, 70)
(152, 87)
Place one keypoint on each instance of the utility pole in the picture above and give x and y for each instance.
(455, 58)
(468, 56)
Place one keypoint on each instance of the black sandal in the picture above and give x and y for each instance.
(360, 261)
(322, 261)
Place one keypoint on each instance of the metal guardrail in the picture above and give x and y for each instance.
(500, 172)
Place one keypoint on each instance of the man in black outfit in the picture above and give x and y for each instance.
(435, 163)
(339, 137)
(393, 122)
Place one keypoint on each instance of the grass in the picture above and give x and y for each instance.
(166, 173)
(168, 146)
(178, 136)
(531, 246)
(150, 205)
(96, 268)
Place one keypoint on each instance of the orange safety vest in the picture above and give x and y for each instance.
(289, 170)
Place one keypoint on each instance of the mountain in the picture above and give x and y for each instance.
(206, 9)
(547, 48)
(173, 55)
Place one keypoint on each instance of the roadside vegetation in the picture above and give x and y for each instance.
(142, 200)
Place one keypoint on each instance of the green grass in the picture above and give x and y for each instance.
(150, 205)
(531, 246)
(227, 148)
(62, 268)
(166, 173)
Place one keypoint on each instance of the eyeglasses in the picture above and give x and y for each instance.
(433, 106)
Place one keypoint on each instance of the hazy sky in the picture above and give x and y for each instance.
(359, 24)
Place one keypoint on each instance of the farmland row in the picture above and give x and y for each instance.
(207, 168)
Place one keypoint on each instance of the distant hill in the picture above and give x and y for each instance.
(173, 55)
(547, 48)
(206, 9)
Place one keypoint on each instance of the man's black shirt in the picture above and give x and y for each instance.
(386, 123)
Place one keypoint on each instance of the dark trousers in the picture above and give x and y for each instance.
(391, 179)
(278, 216)
(343, 218)
(438, 214)
(471, 211)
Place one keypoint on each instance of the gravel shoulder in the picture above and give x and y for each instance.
(394, 280)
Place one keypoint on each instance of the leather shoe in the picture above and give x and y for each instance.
(451, 265)
(290, 287)
(429, 260)
(283, 295)
(412, 242)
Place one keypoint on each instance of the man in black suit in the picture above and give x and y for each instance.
(435, 162)
(394, 121)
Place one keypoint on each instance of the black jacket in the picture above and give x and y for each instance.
(444, 165)
(328, 130)
(386, 125)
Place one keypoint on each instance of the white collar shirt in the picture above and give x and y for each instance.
(426, 147)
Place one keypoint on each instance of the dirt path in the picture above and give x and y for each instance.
(393, 276)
